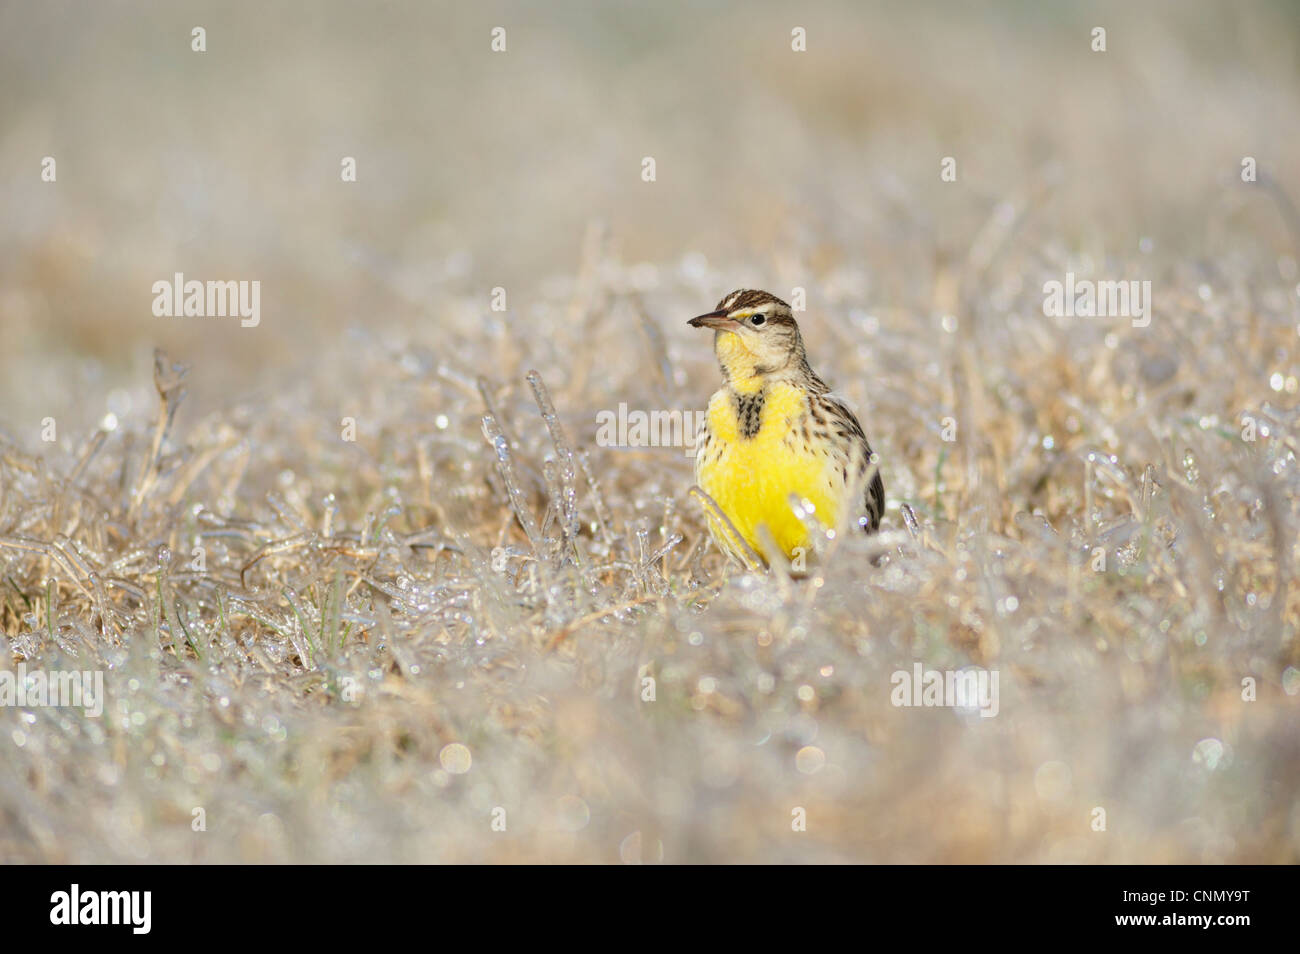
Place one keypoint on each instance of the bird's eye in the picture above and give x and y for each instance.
(757, 320)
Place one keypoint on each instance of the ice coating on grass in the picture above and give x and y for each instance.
(382, 641)
(358, 611)
(492, 431)
(568, 493)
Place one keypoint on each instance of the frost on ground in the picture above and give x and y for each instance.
(432, 642)
(374, 591)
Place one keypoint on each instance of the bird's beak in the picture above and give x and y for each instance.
(714, 319)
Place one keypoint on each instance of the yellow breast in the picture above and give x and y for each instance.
(751, 477)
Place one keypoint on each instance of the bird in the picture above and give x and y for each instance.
(775, 429)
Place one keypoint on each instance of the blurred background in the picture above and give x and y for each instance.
(523, 170)
(479, 169)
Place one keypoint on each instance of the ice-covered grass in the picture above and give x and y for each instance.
(379, 648)
(373, 591)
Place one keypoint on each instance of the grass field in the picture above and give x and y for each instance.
(363, 584)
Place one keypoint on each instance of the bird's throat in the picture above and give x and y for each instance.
(740, 366)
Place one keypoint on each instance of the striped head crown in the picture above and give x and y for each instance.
(756, 336)
(751, 300)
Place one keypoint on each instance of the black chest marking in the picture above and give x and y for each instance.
(749, 412)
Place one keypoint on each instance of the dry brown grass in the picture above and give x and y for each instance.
(496, 668)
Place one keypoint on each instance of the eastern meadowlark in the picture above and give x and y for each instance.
(774, 429)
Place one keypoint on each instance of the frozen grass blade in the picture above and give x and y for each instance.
(568, 502)
(506, 468)
(168, 380)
